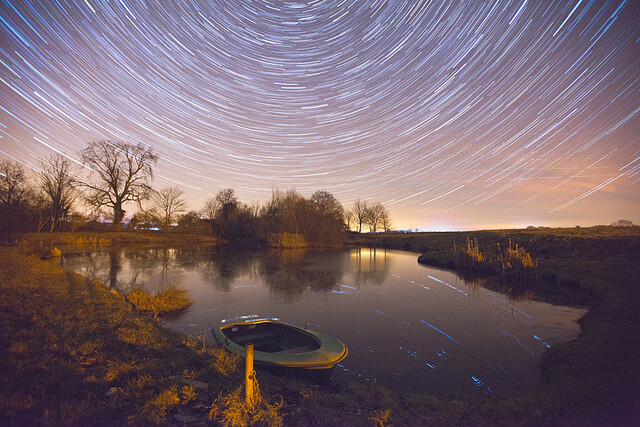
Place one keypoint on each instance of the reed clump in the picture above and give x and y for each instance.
(470, 257)
(168, 300)
(517, 262)
(514, 261)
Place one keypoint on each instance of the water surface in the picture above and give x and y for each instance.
(407, 326)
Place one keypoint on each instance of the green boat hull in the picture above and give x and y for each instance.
(282, 345)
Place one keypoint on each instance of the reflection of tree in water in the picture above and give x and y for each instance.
(370, 266)
(222, 267)
(290, 273)
(160, 262)
(114, 267)
(90, 266)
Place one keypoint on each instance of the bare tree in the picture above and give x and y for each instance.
(209, 211)
(167, 204)
(348, 218)
(359, 211)
(622, 223)
(326, 203)
(124, 171)
(385, 221)
(13, 183)
(374, 216)
(57, 184)
(17, 212)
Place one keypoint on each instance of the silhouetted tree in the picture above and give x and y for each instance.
(359, 211)
(191, 222)
(208, 212)
(374, 215)
(227, 204)
(57, 184)
(328, 216)
(167, 204)
(318, 220)
(124, 172)
(622, 223)
(16, 199)
(13, 183)
(385, 221)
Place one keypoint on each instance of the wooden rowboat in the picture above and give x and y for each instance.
(282, 345)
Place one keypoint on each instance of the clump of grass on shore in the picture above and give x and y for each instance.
(233, 410)
(513, 262)
(168, 300)
(471, 256)
(517, 262)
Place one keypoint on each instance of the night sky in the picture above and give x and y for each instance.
(455, 115)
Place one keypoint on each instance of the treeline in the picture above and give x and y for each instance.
(120, 174)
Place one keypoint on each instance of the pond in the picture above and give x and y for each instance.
(409, 327)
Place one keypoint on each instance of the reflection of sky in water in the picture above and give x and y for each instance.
(409, 326)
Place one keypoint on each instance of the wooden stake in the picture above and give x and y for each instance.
(249, 375)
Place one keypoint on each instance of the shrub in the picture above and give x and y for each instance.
(287, 241)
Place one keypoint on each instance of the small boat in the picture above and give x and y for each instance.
(279, 344)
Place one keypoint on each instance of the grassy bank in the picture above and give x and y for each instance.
(594, 379)
(75, 352)
(34, 241)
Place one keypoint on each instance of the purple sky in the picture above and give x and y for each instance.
(454, 115)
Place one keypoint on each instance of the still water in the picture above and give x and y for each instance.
(407, 326)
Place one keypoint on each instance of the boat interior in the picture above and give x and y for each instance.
(272, 337)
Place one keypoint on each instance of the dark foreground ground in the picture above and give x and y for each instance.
(73, 352)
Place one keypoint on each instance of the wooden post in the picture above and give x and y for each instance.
(249, 375)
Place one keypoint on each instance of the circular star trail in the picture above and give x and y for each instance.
(452, 114)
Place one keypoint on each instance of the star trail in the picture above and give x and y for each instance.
(454, 115)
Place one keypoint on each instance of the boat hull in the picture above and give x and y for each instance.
(281, 345)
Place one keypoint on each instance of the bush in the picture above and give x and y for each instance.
(288, 241)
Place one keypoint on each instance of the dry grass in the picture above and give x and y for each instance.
(76, 353)
(288, 241)
(168, 300)
(232, 410)
(517, 262)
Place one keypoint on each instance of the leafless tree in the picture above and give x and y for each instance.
(18, 210)
(124, 173)
(326, 203)
(57, 183)
(359, 211)
(208, 212)
(167, 204)
(374, 215)
(622, 223)
(13, 183)
(385, 221)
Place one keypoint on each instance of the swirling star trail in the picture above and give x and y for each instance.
(452, 114)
